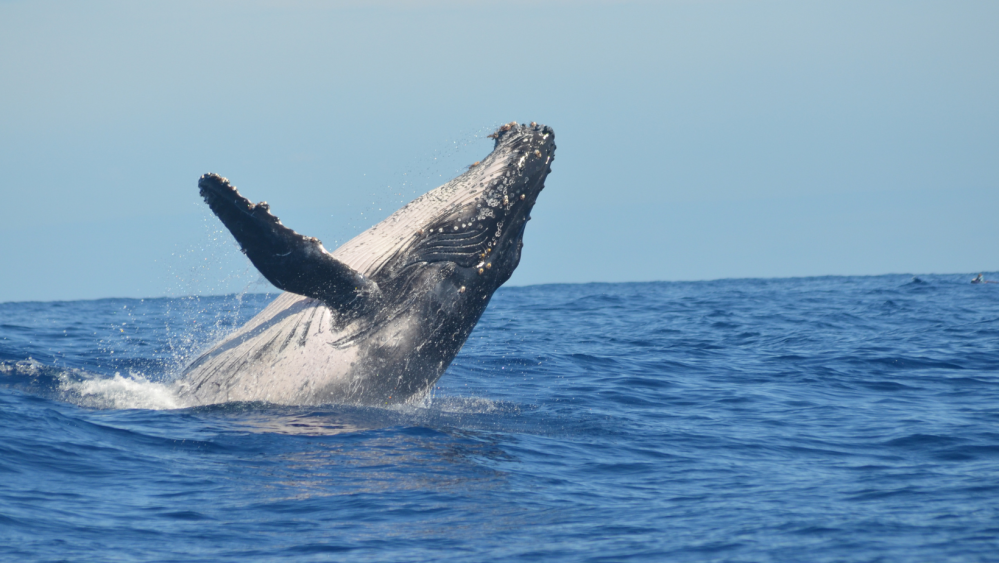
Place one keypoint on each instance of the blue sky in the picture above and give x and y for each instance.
(697, 139)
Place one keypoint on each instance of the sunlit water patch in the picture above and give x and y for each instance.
(822, 419)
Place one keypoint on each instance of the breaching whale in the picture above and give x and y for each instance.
(378, 320)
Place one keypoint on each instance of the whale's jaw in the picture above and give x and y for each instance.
(379, 320)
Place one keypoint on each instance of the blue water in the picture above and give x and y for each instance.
(820, 419)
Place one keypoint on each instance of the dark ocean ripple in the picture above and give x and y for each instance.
(819, 419)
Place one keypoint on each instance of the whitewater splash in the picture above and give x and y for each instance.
(133, 392)
(136, 391)
(85, 389)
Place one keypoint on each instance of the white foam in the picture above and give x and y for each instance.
(133, 392)
(461, 405)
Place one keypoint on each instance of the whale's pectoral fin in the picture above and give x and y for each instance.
(288, 260)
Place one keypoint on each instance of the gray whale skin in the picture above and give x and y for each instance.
(378, 320)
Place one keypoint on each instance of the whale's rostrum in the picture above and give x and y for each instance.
(379, 319)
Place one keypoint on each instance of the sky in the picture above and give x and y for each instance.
(696, 139)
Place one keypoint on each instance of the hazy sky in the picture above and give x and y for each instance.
(696, 139)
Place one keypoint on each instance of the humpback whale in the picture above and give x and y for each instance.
(378, 320)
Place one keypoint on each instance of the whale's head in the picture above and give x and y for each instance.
(474, 224)
(506, 186)
(481, 228)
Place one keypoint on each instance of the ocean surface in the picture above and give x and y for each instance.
(815, 419)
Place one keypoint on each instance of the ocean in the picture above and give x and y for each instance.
(812, 419)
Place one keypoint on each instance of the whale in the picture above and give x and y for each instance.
(379, 320)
